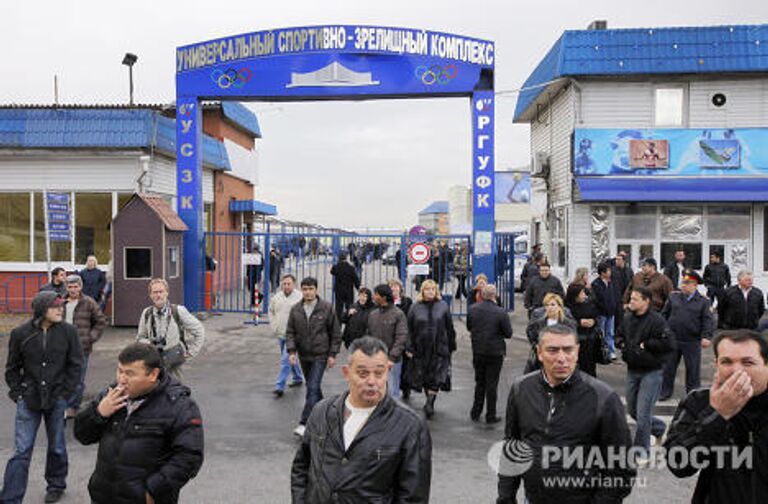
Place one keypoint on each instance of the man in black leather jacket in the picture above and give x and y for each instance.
(362, 445)
(149, 431)
(561, 408)
(732, 416)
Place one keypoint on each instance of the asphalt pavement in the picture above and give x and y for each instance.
(249, 440)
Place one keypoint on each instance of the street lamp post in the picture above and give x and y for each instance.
(129, 60)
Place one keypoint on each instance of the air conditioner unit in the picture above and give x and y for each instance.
(540, 165)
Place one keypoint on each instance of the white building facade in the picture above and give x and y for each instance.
(650, 141)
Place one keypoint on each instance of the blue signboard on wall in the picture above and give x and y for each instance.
(334, 62)
(736, 152)
(59, 216)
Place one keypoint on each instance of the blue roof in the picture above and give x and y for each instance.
(252, 206)
(437, 207)
(648, 51)
(118, 128)
(242, 117)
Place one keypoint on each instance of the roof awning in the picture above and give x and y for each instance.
(672, 189)
(254, 206)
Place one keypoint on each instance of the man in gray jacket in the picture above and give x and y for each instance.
(279, 308)
(388, 323)
(170, 328)
(312, 338)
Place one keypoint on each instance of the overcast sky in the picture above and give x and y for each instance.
(348, 164)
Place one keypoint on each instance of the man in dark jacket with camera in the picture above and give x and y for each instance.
(312, 338)
(149, 431)
(42, 372)
(647, 344)
(362, 445)
(489, 326)
(689, 317)
(561, 408)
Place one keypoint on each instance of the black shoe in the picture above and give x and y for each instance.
(429, 406)
(474, 418)
(665, 398)
(53, 495)
(492, 420)
(406, 394)
(278, 393)
(295, 384)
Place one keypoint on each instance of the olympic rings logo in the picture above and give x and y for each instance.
(436, 74)
(231, 78)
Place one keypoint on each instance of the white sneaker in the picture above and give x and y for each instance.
(299, 430)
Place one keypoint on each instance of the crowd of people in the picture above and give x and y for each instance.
(368, 444)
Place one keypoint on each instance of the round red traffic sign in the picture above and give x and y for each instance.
(419, 253)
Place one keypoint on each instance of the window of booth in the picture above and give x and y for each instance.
(138, 262)
(14, 227)
(172, 266)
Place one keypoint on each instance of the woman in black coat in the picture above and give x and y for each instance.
(355, 320)
(404, 303)
(585, 311)
(432, 340)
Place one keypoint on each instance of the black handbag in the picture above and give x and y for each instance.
(602, 350)
(173, 357)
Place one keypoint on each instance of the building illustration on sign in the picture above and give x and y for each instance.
(335, 74)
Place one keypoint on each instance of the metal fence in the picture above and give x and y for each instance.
(249, 266)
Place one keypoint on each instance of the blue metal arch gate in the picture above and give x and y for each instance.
(339, 62)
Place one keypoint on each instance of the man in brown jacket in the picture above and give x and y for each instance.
(312, 337)
(649, 277)
(84, 313)
(388, 323)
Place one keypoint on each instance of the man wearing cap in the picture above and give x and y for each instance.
(42, 372)
(689, 317)
(649, 277)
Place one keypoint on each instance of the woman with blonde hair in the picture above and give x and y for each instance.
(432, 340)
(554, 313)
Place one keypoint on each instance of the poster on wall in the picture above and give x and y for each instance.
(513, 187)
(649, 154)
(716, 152)
(719, 153)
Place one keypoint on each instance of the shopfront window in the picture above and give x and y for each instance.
(729, 223)
(93, 215)
(682, 223)
(635, 222)
(14, 227)
(693, 254)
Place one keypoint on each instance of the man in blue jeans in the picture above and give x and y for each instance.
(313, 337)
(607, 299)
(647, 344)
(279, 308)
(42, 371)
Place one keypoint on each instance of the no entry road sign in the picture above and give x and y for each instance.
(419, 253)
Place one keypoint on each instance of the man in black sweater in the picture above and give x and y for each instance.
(689, 317)
(540, 286)
(489, 326)
(742, 305)
(717, 277)
(646, 347)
